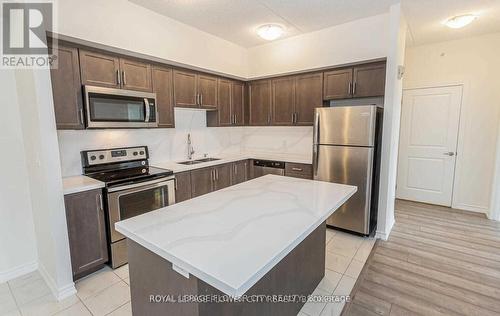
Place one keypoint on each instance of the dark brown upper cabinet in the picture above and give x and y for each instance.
(238, 103)
(67, 89)
(98, 69)
(193, 90)
(162, 86)
(230, 104)
(369, 81)
(283, 101)
(337, 84)
(308, 96)
(86, 232)
(294, 99)
(259, 102)
(207, 91)
(135, 75)
(355, 82)
(185, 89)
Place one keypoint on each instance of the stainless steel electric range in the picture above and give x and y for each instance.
(132, 188)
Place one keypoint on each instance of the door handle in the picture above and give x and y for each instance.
(354, 88)
(269, 119)
(297, 169)
(175, 184)
(123, 77)
(217, 174)
(81, 115)
(349, 89)
(316, 128)
(101, 204)
(201, 99)
(450, 153)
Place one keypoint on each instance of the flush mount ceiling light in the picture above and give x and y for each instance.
(460, 21)
(270, 31)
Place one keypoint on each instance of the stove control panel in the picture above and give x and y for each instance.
(116, 155)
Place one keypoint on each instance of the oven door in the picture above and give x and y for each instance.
(117, 108)
(136, 199)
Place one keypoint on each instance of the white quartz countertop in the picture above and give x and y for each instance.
(77, 184)
(176, 167)
(232, 237)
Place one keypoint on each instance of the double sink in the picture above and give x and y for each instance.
(193, 162)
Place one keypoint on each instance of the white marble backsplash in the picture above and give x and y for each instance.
(169, 144)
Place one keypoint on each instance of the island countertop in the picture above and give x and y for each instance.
(232, 237)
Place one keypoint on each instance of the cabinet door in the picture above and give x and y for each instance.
(238, 103)
(259, 98)
(222, 176)
(185, 93)
(67, 89)
(337, 84)
(308, 95)
(283, 105)
(162, 86)
(239, 172)
(369, 81)
(298, 170)
(135, 75)
(224, 102)
(201, 181)
(182, 186)
(86, 231)
(99, 69)
(207, 89)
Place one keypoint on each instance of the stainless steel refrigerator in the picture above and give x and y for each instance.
(346, 149)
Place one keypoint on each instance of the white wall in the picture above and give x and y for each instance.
(17, 237)
(475, 63)
(359, 40)
(392, 120)
(45, 179)
(125, 25)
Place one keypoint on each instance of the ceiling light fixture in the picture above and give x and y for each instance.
(460, 21)
(270, 31)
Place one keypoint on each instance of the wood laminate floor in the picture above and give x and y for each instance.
(437, 261)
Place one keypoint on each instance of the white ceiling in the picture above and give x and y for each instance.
(237, 20)
(425, 18)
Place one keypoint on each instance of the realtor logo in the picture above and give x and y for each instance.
(24, 32)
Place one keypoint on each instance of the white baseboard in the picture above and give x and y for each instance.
(384, 235)
(471, 208)
(61, 292)
(18, 271)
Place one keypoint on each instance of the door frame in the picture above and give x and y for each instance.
(460, 139)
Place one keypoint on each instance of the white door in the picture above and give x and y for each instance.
(428, 144)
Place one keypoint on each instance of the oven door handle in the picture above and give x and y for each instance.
(142, 185)
(146, 109)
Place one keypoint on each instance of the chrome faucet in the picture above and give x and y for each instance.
(190, 147)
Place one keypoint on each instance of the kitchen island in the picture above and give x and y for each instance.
(261, 237)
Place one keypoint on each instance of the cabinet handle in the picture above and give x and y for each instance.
(198, 102)
(123, 78)
(118, 78)
(354, 88)
(235, 168)
(175, 184)
(101, 204)
(217, 174)
(234, 119)
(297, 169)
(212, 173)
(349, 89)
(269, 119)
(81, 116)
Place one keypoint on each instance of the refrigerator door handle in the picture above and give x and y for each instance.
(315, 160)
(316, 128)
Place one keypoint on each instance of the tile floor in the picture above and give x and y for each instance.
(107, 292)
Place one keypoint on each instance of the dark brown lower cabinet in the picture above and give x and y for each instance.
(182, 186)
(201, 181)
(222, 177)
(86, 232)
(239, 172)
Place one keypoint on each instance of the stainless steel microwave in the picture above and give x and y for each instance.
(118, 108)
